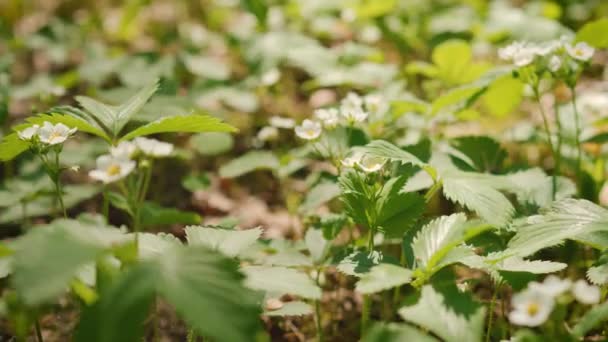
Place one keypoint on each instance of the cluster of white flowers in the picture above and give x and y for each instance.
(533, 306)
(119, 163)
(353, 109)
(47, 134)
(553, 53)
(365, 162)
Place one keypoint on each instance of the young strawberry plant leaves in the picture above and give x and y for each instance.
(565, 219)
(486, 153)
(590, 320)
(153, 214)
(251, 161)
(228, 242)
(397, 211)
(395, 332)
(192, 123)
(281, 280)
(431, 314)
(383, 277)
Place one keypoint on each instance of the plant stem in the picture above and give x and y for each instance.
(365, 311)
(577, 134)
(491, 316)
(548, 132)
(38, 331)
(57, 181)
(106, 204)
(318, 311)
(191, 336)
(432, 190)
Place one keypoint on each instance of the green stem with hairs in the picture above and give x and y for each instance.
(491, 314)
(548, 132)
(577, 134)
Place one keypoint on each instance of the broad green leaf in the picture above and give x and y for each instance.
(455, 97)
(55, 253)
(128, 109)
(295, 308)
(151, 246)
(359, 263)
(229, 242)
(485, 153)
(436, 238)
(383, 277)
(251, 161)
(431, 314)
(212, 143)
(396, 332)
(281, 280)
(408, 105)
(397, 211)
(316, 244)
(503, 96)
(590, 320)
(119, 315)
(73, 195)
(152, 214)
(191, 279)
(598, 275)
(594, 33)
(192, 123)
(384, 149)
(490, 204)
(207, 291)
(496, 262)
(319, 195)
(358, 204)
(196, 182)
(11, 146)
(452, 58)
(565, 219)
(96, 111)
(206, 66)
(373, 9)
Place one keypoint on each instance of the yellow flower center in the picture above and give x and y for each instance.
(54, 136)
(311, 132)
(533, 308)
(113, 170)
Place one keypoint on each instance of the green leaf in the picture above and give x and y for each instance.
(152, 246)
(357, 202)
(251, 161)
(196, 182)
(594, 33)
(494, 263)
(11, 146)
(192, 123)
(395, 332)
(452, 58)
(435, 239)
(319, 194)
(44, 205)
(503, 96)
(455, 97)
(281, 280)
(206, 290)
(229, 242)
(431, 314)
(295, 308)
(55, 253)
(212, 143)
(70, 121)
(383, 277)
(466, 189)
(316, 244)
(598, 275)
(384, 149)
(204, 287)
(128, 109)
(485, 153)
(359, 263)
(373, 9)
(565, 219)
(398, 211)
(152, 214)
(119, 315)
(590, 320)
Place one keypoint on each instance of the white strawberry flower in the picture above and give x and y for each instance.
(328, 116)
(29, 133)
(371, 164)
(125, 150)
(581, 51)
(552, 285)
(352, 160)
(555, 63)
(281, 122)
(153, 147)
(268, 133)
(586, 293)
(111, 169)
(531, 308)
(354, 114)
(54, 134)
(309, 130)
(374, 103)
(351, 101)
